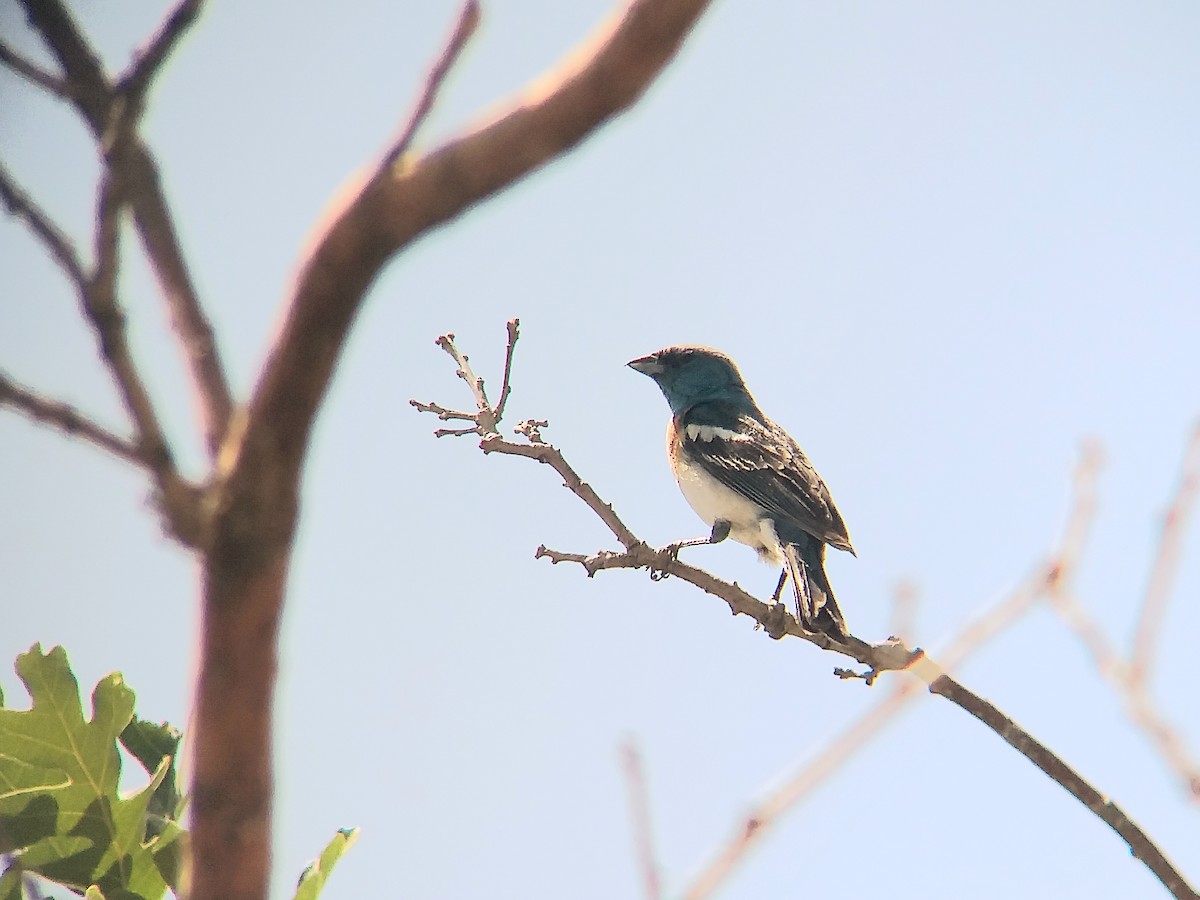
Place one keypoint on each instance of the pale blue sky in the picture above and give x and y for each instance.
(946, 242)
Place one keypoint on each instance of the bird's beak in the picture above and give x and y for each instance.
(647, 365)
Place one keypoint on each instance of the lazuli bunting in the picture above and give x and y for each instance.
(745, 476)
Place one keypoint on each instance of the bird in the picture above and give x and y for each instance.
(747, 478)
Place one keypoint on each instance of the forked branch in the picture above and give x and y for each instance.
(111, 110)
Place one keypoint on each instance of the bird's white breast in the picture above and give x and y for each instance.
(712, 501)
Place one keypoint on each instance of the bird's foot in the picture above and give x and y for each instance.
(671, 552)
(775, 622)
(720, 531)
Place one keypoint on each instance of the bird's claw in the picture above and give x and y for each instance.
(671, 551)
(775, 622)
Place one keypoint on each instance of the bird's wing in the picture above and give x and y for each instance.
(759, 460)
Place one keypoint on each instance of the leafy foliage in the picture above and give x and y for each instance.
(61, 815)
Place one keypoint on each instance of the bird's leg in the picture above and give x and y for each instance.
(720, 531)
(783, 576)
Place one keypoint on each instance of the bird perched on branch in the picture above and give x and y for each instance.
(745, 476)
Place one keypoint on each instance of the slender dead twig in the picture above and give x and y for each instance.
(67, 419)
(137, 78)
(20, 204)
(1140, 844)
(468, 21)
(156, 227)
(1128, 679)
(105, 107)
(1166, 564)
(33, 73)
(639, 813)
(486, 417)
(81, 69)
(1057, 575)
(98, 301)
(103, 310)
(514, 326)
(1135, 697)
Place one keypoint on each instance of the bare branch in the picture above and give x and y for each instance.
(107, 110)
(975, 635)
(514, 332)
(134, 83)
(1139, 706)
(639, 812)
(21, 205)
(97, 298)
(468, 20)
(33, 73)
(1140, 844)
(485, 418)
(1166, 565)
(179, 500)
(66, 418)
(442, 413)
(102, 309)
(83, 74)
(758, 822)
(156, 227)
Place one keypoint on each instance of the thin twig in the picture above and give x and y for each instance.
(467, 374)
(639, 813)
(514, 332)
(156, 227)
(103, 310)
(66, 418)
(81, 68)
(21, 205)
(134, 83)
(104, 108)
(33, 73)
(1140, 844)
(468, 20)
(180, 501)
(1139, 705)
(446, 415)
(1166, 563)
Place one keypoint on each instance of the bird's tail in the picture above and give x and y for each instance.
(816, 607)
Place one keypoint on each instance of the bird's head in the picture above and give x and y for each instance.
(690, 375)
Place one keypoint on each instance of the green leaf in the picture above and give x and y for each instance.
(20, 779)
(60, 811)
(168, 849)
(150, 744)
(312, 880)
